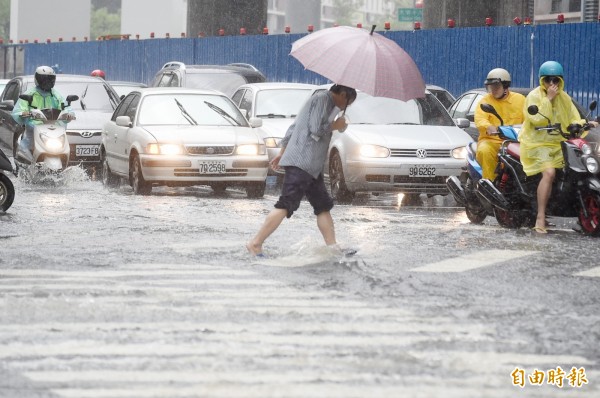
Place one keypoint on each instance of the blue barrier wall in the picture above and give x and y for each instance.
(457, 59)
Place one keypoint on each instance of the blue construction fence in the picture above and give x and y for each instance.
(457, 59)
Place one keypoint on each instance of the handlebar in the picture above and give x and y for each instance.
(574, 130)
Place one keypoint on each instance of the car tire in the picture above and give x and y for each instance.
(218, 188)
(136, 178)
(339, 190)
(109, 180)
(256, 190)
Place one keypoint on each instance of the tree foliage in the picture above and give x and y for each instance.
(104, 23)
(5, 19)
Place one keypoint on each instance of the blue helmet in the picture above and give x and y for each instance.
(550, 68)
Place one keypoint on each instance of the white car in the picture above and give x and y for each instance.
(277, 104)
(395, 146)
(181, 137)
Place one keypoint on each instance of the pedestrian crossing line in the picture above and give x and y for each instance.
(593, 272)
(471, 261)
(10, 273)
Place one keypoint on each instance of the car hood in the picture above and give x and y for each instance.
(89, 120)
(409, 136)
(275, 127)
(206, 135)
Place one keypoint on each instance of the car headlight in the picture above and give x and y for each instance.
(460, 152)
(53, 143)
(586, 149)
(251, 149)
(164, 149)
(374, 151)
(592, 165)
(273, 142)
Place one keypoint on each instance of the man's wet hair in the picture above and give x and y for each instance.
(350, 92)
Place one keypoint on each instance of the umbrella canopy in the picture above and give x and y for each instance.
(365, 61)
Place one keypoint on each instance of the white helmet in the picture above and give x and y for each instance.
(45, 77)
(498, 75)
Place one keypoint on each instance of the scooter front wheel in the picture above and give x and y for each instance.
(475, 215)
(590, 223)
(508, 219)
(7, 192)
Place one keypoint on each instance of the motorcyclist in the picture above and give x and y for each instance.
(509, 106)
(98, 73)
(44, 97)
(541, 152)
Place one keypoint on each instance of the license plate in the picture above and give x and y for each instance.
(212, 167)
(87, 150)
(421, 171)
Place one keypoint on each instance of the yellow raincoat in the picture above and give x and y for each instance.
(540, 150)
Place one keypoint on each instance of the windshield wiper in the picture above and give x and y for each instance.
(185, 113)
(272, 115)
(82, 97)
(221, 112)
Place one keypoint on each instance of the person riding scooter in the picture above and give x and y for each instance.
(44, 97)
(509, 106)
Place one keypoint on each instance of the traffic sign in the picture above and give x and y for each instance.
(410, 14)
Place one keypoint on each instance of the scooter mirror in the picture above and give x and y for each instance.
(487, 108)
(28, 98)
(593, 105)
(71, 98)
(533, 109)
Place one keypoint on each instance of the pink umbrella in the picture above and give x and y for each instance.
(365, 61)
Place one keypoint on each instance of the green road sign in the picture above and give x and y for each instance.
(410, 14)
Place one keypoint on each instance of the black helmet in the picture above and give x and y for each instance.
(45, 77)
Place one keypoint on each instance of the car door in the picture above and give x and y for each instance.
(114, 153)
(247, 103)
(9, 129)
(122, 132)
(464, 107)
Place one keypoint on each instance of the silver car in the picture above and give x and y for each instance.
(182, 137)
(391, 145)
(277, 104)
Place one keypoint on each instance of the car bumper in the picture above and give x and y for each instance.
(186, 169)
(382, 176)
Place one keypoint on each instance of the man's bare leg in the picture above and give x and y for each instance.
(325, 224)
(272, 222)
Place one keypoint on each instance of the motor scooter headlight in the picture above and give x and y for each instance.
(53, 144)
(592, 165)
(586, 149)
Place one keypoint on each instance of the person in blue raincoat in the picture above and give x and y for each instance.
(541, 152)
(44, 97)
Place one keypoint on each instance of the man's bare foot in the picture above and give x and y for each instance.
(253, 249)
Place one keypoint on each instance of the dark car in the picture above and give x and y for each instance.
(466, 103)
(223, 78)
(97, 101)
(441, 94)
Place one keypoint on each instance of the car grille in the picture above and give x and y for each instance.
(196, 173)
(209, 149)
(85, 134)
(429, 153)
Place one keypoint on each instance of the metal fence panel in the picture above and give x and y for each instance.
(457, 59)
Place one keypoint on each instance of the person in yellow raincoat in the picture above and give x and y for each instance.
(541, 152)
(509, 106)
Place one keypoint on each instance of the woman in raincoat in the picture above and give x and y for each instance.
(541, 152)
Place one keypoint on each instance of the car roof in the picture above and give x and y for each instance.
(178, 90)
(241, 69)
(66, 77)
(124, 83)
(278, 85)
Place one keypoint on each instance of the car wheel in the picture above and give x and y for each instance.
(218, 188)
(256, 190)
(139, 185)
(109, 180)
(339, 190)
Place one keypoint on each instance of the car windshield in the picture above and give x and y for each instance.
(93, 96)
(280, 102)
(123, 89)
(379, 110)
(226, 83)
(189, 109)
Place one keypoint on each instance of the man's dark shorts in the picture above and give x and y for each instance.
(296, 184)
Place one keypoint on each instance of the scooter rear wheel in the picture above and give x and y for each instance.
(508, 219)
(475, 215)
(590, 224)
(7, 192)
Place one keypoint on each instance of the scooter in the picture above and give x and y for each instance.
(7, 189)
(50, 145)
(463, 187)
(512, 196)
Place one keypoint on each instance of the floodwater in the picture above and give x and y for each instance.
(107, 294)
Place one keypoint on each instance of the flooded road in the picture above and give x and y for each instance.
(108, 294)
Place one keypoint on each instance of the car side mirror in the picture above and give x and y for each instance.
(255, 122)
(7, 105)
(124, 121)
(471, 118)
(462, 122)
